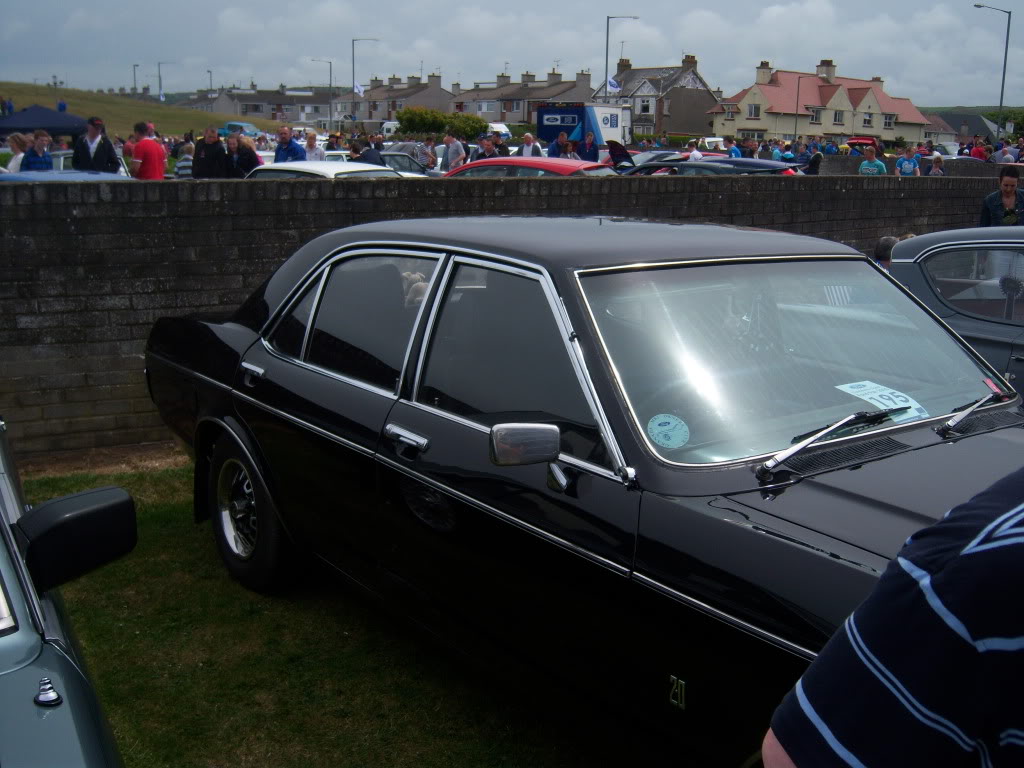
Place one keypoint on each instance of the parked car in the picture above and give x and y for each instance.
(63, 176)
(62, 161)
(321, 169)
(51, 713)
(665, 461)
(528, 167)
(751, 164)
(974, 280)
(692, 168)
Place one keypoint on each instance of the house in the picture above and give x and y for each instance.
(938, 129)
(785, 104)
(965, 125)
(671, 99)
(504, 101)
(381, 101)
(304, 106)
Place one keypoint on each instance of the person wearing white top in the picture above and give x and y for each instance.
(18, 144)
(692, 149)
(313, 152)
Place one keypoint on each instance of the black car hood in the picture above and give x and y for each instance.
(879, 504)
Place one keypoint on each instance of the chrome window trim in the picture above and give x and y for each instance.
(959, 244)
(716, 613)
(305, 424)
(740, 259)
(189, 372)
(324, 266)
(442, 262)
(621, 570)
(561, 317)
(328, 373)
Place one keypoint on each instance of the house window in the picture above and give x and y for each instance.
(759, 135)
(730, 113)
(517, 106)
(753, 111)
(867, 119)
(816, 116)
(460, 106)
(838, 117)
(645, 106)
(399, 104)
(316, 109)
(485, 106)
(888, 121)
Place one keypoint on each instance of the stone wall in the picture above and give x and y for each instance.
(85, 269)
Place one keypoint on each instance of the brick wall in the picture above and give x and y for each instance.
(85, 269)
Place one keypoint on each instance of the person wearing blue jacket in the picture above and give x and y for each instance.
(587, 149)
(555, 147)
(1005, 206)
(288, 149)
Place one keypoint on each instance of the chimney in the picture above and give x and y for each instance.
(412, 80)
(623, 65)
(376, 82)
(827, 70)
(456, 89)
(717, 93)
(434, 80)
(527, 77)
(554, 77)
(689, 62)
(583, 80)
(394, 80)
(503, 80)
(877, 79)
(764, 73)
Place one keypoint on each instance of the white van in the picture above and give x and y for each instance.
(389, 127)
(500, 128)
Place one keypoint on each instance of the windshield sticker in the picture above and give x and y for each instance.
(885, 397)
(668, 431)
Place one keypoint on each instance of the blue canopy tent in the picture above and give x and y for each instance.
(50, 120)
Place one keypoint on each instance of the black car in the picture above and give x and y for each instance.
(51, 715)
(763, 166)
(974, 280)
(691, 168)
(665, 461)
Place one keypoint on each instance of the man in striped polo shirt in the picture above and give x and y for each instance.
(928, 671)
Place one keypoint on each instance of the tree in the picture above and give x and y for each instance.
(421, 120)
(467, 126)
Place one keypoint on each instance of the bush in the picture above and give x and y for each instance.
(468, 126)
(421, 120)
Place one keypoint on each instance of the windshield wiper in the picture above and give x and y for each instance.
(963, 412)
(763, 472)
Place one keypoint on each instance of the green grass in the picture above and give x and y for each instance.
(193, 670)
(120, 113)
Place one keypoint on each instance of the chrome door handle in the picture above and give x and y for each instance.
(404, 436)
(252, 372)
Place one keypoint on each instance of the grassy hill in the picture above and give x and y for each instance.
(120, 113)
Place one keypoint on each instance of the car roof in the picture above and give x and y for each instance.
(60, 175)
(559, 164)
(326, 168)
(751, 162)
(914, 248)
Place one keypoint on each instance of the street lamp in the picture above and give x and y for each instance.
(796, 107)
(607, 28)
(1006, 51)
(135, 84)
(330, 91)
(354, 41)
(210, 73)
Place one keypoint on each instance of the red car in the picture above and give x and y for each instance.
(529, 167)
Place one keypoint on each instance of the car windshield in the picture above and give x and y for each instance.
(602, 171)
(725, 361)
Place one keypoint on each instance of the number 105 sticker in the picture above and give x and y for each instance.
(885, 397)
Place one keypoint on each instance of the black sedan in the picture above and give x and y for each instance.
(665, 461)
(755, 163)
(692, 168)
(974, 280)
(51, 715)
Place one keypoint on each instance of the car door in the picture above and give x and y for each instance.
(538, 556)
(316, 391)
(985, 288)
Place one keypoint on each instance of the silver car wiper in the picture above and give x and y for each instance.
(963, 412)
(763, 472)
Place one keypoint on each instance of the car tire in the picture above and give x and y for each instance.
(245, 526)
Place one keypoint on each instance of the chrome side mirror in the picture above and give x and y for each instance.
(514, 445)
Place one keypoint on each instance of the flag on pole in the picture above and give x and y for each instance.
(161, 94)
(613, 87)
(359, 89)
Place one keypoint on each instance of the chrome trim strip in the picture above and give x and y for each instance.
(308, 332)
(529, 528)
(638, 266)
(189, 372)
(428, 332)
(959, 244)
(703, 607)
(448, 416)
(442, 261)
(329, 374)
(748, 459)
(586, 466)
(305, 424)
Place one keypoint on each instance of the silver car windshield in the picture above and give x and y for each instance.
(726, 361)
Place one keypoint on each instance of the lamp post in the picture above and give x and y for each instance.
(135, 84)
(354, 41)
(330, 92)
(796, 107)
(1006, 51)
(607, 28)
(210, 73)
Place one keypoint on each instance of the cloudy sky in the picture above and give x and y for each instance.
(949, 54)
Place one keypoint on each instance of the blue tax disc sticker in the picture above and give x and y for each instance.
(668, 431)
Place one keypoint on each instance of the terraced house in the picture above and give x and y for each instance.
(785, 104)
(504, 101)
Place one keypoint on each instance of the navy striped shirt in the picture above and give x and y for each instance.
(928, 671)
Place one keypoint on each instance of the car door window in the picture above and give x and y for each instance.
(290, 332)
(985, 282)
(497, 355)
(486, 172)
(365, 317)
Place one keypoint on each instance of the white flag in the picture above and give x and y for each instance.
(161, 94)
(613, 87)
(359, 89)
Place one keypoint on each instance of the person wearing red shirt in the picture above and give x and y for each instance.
(148, 158)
